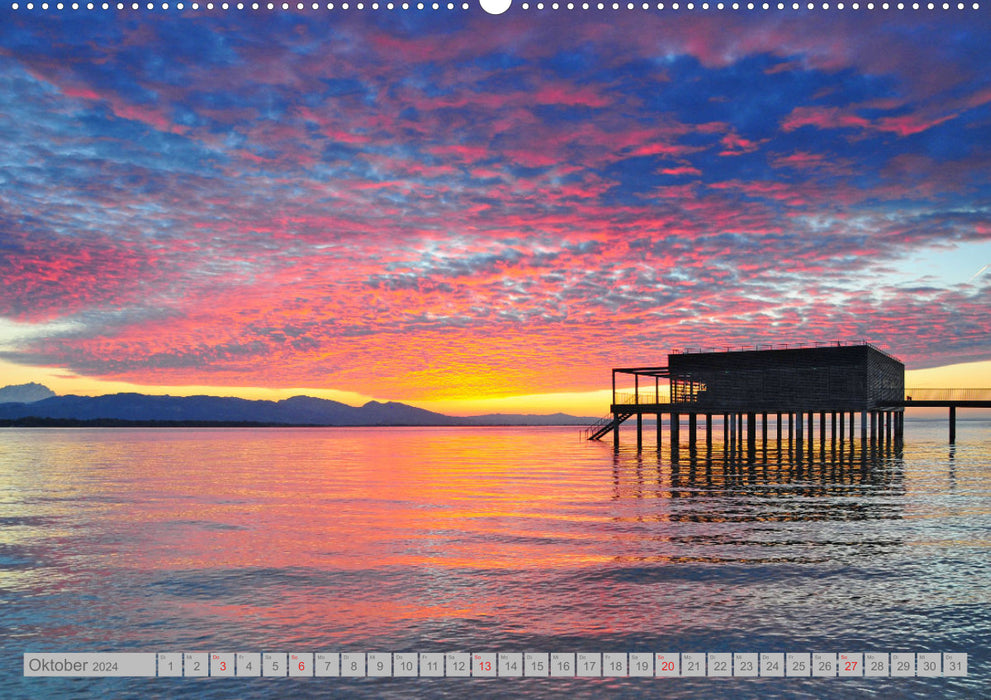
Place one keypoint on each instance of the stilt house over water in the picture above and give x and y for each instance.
(838, 381)
(836, 378)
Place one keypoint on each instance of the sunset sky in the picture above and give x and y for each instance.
(456, 210)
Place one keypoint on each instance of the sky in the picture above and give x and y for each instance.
(473, 213)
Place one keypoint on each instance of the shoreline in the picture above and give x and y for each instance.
(35, 422)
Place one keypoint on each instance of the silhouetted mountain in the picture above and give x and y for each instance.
(25, 393)
(298, 410)
(529, 419)
(392, 413)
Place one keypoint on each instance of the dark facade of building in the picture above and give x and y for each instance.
(841, 378)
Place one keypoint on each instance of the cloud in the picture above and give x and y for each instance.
(414, 209)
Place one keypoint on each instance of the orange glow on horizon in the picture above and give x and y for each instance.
(471, 402)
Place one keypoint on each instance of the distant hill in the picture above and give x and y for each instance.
(298, 410)
(25, 393)
(528, 419)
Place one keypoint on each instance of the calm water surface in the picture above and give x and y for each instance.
(488, 540)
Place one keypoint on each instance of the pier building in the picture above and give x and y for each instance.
(850, 389)
(850, 386)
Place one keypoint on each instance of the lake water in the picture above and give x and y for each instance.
(493, 539)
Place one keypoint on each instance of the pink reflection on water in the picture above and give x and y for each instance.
(344, 535)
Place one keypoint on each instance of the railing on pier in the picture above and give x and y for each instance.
(775, 346)
(643, 398)
(648, 397)
(947, 395)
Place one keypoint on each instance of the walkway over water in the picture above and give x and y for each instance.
(887, 417)
(973, 398)
(948, 398)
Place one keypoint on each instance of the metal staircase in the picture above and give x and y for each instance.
(602, 426)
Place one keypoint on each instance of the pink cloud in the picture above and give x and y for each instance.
(824, 118)
(683, 170)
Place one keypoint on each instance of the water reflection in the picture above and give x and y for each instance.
(496, 539)
(772, 473)
(720, 508)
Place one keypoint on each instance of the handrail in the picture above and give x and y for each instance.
(597, 425)
(947, 395)
(645, 399)
(952, 394)
(631, 398)
(777, 346)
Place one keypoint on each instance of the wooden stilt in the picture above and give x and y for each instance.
(751, 432)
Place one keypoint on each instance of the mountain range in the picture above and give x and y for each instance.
(25, 393)
(298, 410)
